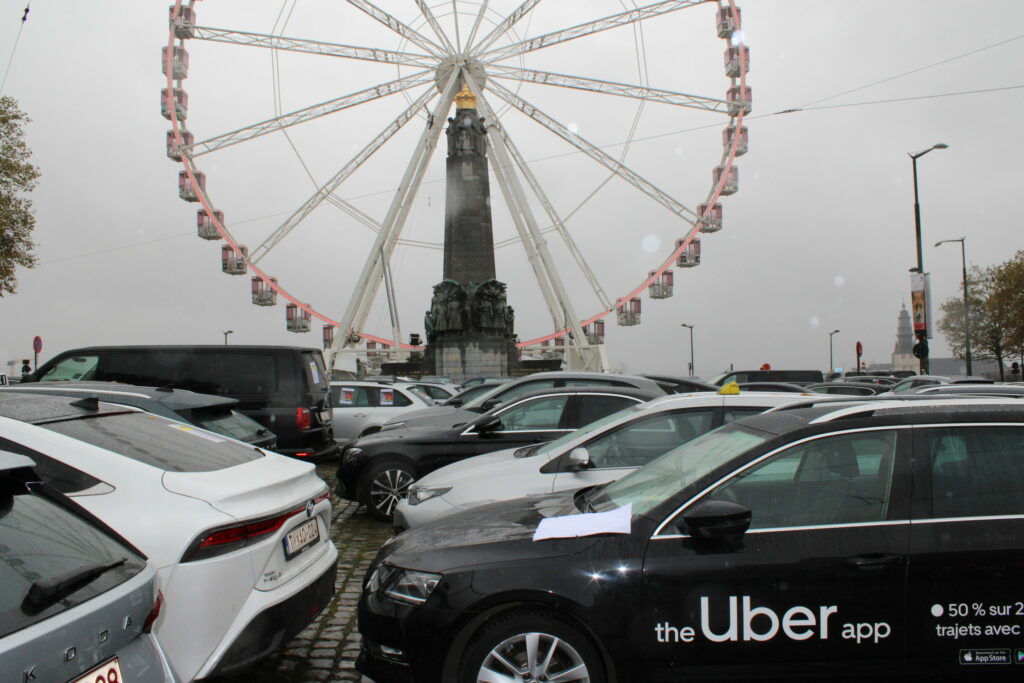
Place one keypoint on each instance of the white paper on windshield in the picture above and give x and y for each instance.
(616, 521)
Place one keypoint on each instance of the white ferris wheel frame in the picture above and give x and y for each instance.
(462, 61)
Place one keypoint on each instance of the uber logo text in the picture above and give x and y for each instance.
(749, 623)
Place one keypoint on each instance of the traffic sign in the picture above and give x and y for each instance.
(860, 349)
(37, 344)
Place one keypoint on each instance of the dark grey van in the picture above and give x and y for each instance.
(284, 388)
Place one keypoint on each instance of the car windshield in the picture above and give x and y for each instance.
(229, 423)
(660, 479)
(597, 425)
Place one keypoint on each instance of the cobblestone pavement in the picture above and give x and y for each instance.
(327, 649)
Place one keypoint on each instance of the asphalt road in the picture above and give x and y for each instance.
(327, 649)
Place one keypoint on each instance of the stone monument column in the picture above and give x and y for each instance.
(469, 325)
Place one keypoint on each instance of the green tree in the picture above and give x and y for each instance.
(1007, 302)
(17, 178)
(988, 332)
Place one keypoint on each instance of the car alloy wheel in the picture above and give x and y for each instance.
(387, 484)
(531, 647)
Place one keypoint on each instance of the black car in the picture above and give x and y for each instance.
(844, 541)
(376, 470)
(284, 388)
(445, 415)
(213, 413)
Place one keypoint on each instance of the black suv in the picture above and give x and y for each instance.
(855, 540)
(376, 470)
(284, 388)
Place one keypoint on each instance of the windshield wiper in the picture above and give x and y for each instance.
(45, 592)
(585, 495)
(526, 451)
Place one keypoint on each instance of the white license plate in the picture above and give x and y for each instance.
(108, 672)
(300, 538)
(325, 416)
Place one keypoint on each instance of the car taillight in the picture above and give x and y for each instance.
(227, 539)
(151, 618)
(302, 418)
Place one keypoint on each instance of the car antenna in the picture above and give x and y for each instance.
(89, 403)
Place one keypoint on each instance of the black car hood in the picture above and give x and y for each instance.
(387, 437)
(498, 532)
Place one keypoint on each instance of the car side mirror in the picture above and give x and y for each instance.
(716, 519)
(456, 402)
(491, 424)
(579, 460)
(490, 403)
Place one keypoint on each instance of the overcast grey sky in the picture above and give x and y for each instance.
(819, 236)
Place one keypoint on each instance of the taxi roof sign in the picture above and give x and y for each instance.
(730, 389)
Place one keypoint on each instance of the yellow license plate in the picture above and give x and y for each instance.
(300, 538)
(108, 672)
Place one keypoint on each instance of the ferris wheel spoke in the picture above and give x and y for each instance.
(315, 47)
(358, 308)
(373, 225)
(557, 223)
(315, 111)
(502, 28)
(438, 31)
(580, 30)
(476, 23)
(323, 192)
(638, 92)
(595, 153)
(397, 26)
(503, 157)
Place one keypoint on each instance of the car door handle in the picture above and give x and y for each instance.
(875, 561)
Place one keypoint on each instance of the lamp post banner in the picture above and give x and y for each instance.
(920, 302)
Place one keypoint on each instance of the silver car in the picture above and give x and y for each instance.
(361, 407)
(77, 602)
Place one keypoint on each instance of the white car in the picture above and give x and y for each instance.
(360, 406)
(240, 536)
(595, 454)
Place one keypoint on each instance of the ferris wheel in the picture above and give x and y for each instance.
(433, 50)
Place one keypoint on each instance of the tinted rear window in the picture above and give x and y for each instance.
(43, 540)
(232, 373)
(158, 442)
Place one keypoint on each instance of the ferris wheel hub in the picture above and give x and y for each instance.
(461, 63)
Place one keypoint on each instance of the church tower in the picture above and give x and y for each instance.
(903, 354)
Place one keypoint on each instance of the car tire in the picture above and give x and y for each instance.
(383, 485)
(503, 641)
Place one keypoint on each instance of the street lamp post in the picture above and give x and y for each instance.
(831, 362)
(922, 335)
(967, 307)
(226, 333)
(692, 371)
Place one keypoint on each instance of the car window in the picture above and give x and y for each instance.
(228, 423)
(354, 397)
(838, 479)
(432, 391)
(72, 368)
(389, 397)
(732, 414)
(232, 373)
(158, 442)
(543, 413)
(592, 407)
(976, 471)
(60, 476)
(643, 440)
(520, 390)
(43, 540)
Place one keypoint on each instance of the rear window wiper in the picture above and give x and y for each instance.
(45, 592)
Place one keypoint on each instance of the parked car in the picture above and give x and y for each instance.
(846, 388)
(439, 416)
(773, 386)
(472, 391)
(436, 391)
(598, 453)
(875, 380)
(284, 388)
(377, 470)
(215, 413)
(843, 541)
(77, 601)
(968, 390)
(239, 536)
(792, 376)
(360, 407)
(928, 380)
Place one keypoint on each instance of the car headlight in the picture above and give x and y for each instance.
(350, 454)
(419, 494)
(391, 425)
(403, 585)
